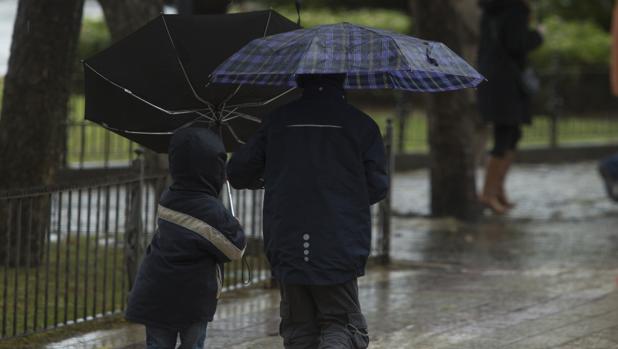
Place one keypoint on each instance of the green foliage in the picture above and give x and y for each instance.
(572, 129)
(379, 18)
(574, 44)
(342, 4)
(597, 11)
(94, 37)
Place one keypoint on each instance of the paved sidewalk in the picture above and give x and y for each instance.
(544, 277)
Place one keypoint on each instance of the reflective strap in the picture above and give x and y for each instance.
(315, 125)
(203, 229)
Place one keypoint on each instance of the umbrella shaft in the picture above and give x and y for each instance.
(229, 196)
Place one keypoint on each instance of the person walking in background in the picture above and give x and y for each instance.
(179, 281)
(504, 100)
(608, 167)
(322, 164)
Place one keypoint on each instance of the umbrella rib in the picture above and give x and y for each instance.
(228, 98)
(182, 67)
(143, 100)
(206, 116)
(230, 112)
(263, 103)
(235, 115)
(234, 134)
(270, 13)
(213, 114)
(164, 133)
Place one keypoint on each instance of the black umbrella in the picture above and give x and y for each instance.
(154, 81)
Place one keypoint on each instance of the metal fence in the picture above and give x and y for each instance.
(91, 146)
(66, 252)
(69, 254)
(574, 108)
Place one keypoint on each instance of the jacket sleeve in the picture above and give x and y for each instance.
(245, 170)
(374, 159)
(233, 233)
(225, 240)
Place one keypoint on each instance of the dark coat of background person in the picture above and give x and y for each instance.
(505, 43)
(177, 283)
(323, 164)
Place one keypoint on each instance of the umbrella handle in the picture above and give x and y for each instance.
(244, 260)
(229, 196)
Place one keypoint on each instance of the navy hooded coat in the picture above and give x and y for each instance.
(505, 44)
(322, 163)
(180, 277)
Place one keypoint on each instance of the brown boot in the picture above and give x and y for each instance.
(489, 196)
(504, 170)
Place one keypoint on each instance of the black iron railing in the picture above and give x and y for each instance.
(69, 254)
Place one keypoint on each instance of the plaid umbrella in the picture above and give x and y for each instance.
(371, 58)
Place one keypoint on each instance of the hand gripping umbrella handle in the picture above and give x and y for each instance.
(244, 260)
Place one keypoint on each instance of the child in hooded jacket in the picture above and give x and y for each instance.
(179, 281)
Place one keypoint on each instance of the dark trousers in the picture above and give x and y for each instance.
(190, 338)
(324, 317)
(506, 138)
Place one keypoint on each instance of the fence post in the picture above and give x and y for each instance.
(134, 224)
(403, 112)
(554, 102)
(385, 205)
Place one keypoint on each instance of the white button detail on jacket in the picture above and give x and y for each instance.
(306, 252)
(306, 237)
(306, 259)
(305, 244)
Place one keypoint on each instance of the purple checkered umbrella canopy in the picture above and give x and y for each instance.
(371, 58)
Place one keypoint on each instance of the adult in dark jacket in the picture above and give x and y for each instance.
(504, 100)
(322, 164)
(180, 278)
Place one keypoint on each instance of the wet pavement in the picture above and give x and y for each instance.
(546, 276)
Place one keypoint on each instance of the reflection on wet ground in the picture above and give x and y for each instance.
(546, 277)
(542, 192)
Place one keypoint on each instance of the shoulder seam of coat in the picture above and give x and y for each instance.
(203, 229)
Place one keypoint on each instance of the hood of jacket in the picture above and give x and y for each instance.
(498, 6)
(197, 161)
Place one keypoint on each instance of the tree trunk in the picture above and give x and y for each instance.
(122, 18)
(470, 13)
(202, 7)
(34, 109)
(451, 119)
(125, 16)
